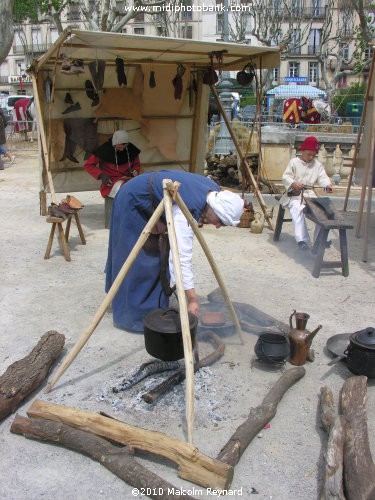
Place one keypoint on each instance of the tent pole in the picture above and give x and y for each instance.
(243, 159)
(350, 178)
(368, 180)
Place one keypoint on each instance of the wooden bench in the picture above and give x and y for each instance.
(63, 237)
(321, 211)
(280, 220)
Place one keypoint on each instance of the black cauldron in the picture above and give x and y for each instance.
(163, 333)
(272, 347)
(360, 353)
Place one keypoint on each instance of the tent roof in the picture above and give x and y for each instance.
(137, 49)
(286, 91)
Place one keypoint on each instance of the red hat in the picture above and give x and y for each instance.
(310, 143)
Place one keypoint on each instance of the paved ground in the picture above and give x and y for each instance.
(284, 462)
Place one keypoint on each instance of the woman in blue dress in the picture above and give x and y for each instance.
(141, 291)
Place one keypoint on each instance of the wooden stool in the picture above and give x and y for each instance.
(280, 220)
(328, 219)
(108, 202)
(63, 237)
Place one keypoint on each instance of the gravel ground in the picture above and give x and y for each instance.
(285, 460)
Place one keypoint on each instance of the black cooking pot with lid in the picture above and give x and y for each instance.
(360, 353)
(163, 333)
(272, 347)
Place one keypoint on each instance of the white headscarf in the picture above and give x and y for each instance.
(227, 206)
(120, 137)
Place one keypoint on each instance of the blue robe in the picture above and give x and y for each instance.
(141, 290)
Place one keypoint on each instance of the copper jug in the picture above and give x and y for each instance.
(300, 339)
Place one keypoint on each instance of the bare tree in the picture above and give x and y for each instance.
(6, 28)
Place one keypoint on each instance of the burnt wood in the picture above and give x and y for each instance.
(154, 394)
(25, 375)
(117, 459)
(258, 417)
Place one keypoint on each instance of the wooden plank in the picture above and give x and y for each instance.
(193, 465)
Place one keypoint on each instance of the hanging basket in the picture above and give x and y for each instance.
(246, 218)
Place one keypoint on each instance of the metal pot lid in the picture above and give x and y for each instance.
(365, 337)
(167, 321)
(337, 344)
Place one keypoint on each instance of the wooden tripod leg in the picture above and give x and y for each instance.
(185, 326)
(50, 241)
(80, 230)
(210, 259)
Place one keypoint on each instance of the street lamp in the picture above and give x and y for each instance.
(224, 142)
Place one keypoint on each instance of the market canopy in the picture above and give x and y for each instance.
(140, 49)
(293, 90)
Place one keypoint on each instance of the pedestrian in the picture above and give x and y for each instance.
(3, 146)
(115, 162)
(142, 290)
(299, 178)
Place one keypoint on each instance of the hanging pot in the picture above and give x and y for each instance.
(272, 347)
(360, 353)
(244, 78)
(163, 333)
(210, 77)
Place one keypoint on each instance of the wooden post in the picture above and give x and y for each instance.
(169, 188)
(196, 127)
(109, 297)
(358, 141)
(210, 259)
(243, 159)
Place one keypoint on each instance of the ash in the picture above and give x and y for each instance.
(128, 405)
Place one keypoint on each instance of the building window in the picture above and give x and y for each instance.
(219, 18)
(74, 12)
(187, 15)
(368, 52)
(296, 7)
(295, 43)
(140, 17)
(275, 74)
(139, 31)
(316, 7)
(36, 38)
(314, 41)
(344, 50)
(313, 72)
(187, 32)
(293, 68)
(53, 35)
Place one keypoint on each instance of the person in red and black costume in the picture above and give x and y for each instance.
(115, 162)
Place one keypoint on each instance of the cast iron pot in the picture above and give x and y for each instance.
(360, 353)
(163, 333)
(272, 347)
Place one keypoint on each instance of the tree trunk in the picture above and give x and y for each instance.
(359, 468)
(23, 376)
(118, 460)
(6, 28)
(258, 417)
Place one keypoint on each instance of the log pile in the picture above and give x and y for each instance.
(349, 468)
(224, 169)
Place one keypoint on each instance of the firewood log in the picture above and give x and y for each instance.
(25, 375)
(258, 417)
(118, 460)
(359, 468)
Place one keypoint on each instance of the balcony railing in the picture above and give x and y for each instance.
(35, 48)
(295, 50)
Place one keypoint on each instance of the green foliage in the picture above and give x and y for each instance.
(355, 93)
(28, 9)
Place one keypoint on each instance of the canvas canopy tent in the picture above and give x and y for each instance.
(170, 131)
(283, 92)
